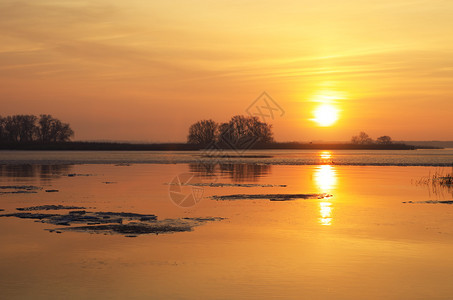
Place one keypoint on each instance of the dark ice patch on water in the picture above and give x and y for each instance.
(130, 229)
(214, 184)
(18, 192)
(27, 215)
(19, 189)
(133, 229)
(431, 202)
(235, 156)
(128, 224)
(76, 174)
(272, 197)
(48, 207)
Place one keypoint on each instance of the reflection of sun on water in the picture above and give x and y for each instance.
(326, 180)
(325, 157)
(325, 210)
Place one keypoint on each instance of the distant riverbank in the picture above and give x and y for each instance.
(111, 146)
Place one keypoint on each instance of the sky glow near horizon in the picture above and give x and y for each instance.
(145, 71)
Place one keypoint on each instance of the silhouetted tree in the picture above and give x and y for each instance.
(202, 132)
(18, 128)
(384, 140)
(2, 129)
(12, 130)
(240, 132)
(24, 129)
(27, 128)
(362, 139)
(53, 130)
(243, 131)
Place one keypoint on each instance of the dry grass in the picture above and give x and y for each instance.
(438, 182)
(439, 177)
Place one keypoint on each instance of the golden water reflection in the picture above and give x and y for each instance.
(325, 178)
(325, 210)
(325, 155)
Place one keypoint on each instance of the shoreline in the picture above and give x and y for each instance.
(107, 146)
(211, 164)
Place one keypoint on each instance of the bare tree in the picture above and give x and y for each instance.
(27, 128)
(362, 139)
(2, 129)
(11, 128)
(384, 140)
(202, 132)
(51, 130)
(18, 128)
(244, 131)
(44, 128)
(263, 131)
(63, 132)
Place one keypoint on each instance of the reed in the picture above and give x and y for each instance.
(438, 178)
(439, 183)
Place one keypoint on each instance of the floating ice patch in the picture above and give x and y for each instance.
(128, 224)
(272, 197)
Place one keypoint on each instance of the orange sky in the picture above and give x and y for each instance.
(146, 70)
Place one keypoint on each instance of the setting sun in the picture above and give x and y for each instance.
(226, 149)
(325, 115)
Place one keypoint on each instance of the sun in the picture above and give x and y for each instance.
(325, 115)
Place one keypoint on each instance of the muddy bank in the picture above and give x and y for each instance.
(271, 197)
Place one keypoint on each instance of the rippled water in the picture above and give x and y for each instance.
(442, 157)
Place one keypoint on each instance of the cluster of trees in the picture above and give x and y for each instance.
(364, 139)
(29, 128)
(240, 132)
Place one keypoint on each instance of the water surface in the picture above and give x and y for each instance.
(362, 243)
(440, 157)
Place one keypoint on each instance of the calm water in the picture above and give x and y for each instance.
(362, 243)
(443, 157)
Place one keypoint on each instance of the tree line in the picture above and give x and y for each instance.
(31, 129)
(242, 132)
(238, 133)
(364, 139)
